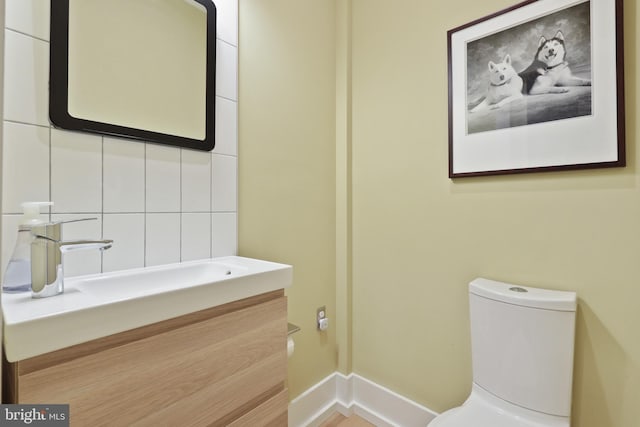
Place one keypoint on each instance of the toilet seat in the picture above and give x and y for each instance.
(482, 409)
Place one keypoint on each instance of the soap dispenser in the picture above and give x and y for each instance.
(17, 277)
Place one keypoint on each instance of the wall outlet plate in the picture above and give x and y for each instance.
(321, 318)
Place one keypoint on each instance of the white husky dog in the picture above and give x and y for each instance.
(505, 85)
(549, 71)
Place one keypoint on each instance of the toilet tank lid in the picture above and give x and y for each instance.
(523, 295)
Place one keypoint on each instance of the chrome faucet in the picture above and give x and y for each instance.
(47, 247)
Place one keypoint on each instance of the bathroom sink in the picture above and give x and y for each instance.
(99, 305)
(141, 281)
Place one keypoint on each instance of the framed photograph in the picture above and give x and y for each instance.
(537, 87)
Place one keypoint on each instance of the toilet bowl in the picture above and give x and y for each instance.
(522, 342)
(482, 409)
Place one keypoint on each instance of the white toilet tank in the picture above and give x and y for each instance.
(522, 342)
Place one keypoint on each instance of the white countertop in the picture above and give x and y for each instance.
(96, 306)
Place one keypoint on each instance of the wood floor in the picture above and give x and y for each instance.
(339, 420)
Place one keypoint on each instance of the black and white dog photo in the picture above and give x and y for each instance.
(553, 74)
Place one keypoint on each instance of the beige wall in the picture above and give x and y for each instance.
(413, 239)
(287, 174)
(419, 238)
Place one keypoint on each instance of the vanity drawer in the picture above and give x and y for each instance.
(207, 368)
(272, 413)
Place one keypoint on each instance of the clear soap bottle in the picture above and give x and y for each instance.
(17, 276)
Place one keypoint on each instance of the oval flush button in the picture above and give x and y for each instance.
(518, 289)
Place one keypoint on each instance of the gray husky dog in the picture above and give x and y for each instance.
(549, 71)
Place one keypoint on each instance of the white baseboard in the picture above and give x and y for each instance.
(315, 405)
(354, 394)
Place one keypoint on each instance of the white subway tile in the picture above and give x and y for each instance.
(224, 232)
(163, 178)
(226, 127)
(162, 238)
(224, 183)
(26, 77)
(196, 181)
(123, 175)
(29, 17)
(196, 236)
(227, 25)
(76, 172)
(227, 71)
(78, 263)
(127, 233)
(25, 165)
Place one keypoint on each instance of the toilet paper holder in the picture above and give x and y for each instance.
(291, 329)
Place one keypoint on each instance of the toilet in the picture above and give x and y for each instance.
(522, 342)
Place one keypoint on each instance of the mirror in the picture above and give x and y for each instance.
(141, 69)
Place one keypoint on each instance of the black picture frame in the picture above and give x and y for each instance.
(59, 84)
(537, 132)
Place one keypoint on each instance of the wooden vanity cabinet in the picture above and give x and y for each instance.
(217, 367)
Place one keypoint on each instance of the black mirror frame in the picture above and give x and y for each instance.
(59, 84)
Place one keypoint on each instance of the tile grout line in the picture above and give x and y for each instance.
(144, 196)
(227, 98)
(212, 156)
(181, 237)
(50, 173)
(225, 42)
(18, 122)
(53, 212)
(102, 202)
(31, 35)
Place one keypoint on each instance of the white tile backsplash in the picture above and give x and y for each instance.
(76, 172)
(224, 177)
(26, 79)
(226, 70)
(162, 244)
(154, 201)
(227, 14)
(25, 165)
(196, 181)
(127, 232)
(196, 236)
(226, 127)
(29, 16)
(224, 232)
(78, 263)
(162, 178)
(123, 185)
